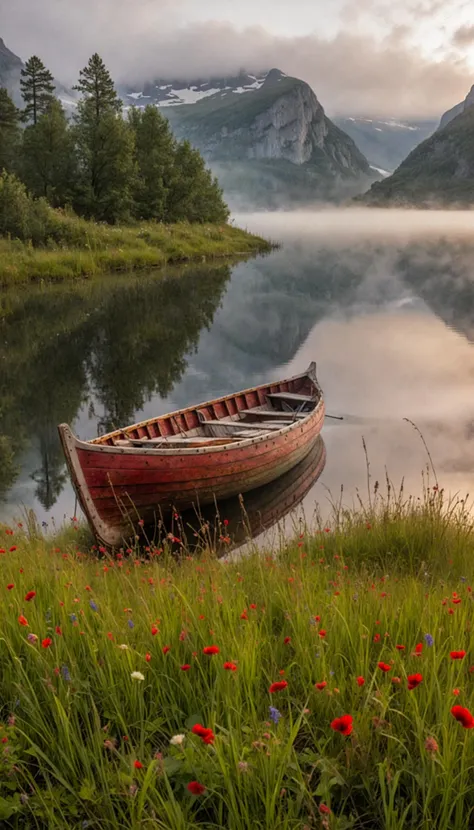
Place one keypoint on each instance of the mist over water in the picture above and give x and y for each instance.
(382, 300)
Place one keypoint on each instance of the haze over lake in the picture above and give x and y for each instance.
(382, 300)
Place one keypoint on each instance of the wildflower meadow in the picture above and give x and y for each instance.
(325, 683)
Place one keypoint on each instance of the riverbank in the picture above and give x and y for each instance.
(331, 679)
(79, 249)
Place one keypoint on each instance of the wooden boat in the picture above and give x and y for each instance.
(193, 456)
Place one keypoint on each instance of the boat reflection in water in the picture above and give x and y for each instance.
(230, 523)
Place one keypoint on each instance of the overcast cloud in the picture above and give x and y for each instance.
(369, 63)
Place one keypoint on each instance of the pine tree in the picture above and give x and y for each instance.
(48, 157)
(37, 89)
(154, 154)
(194, 194)
(97, 88)
(105, 146)
(9, 131)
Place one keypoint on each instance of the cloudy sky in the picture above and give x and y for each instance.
(372, 57)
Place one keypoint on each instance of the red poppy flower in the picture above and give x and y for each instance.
(463, 716)
(384, 667)
(278, 686)
(211, 650)
(165, 649)
(342, 724)
(324, 810)
(10, 586)
(418, 648)
(138, 765)
(400, 648)
(414, 680)
(230, 666)
(46, 642)
(195, 788)
(322, 633)
(148, 656)
(206, 734)
(58, 630)
(320, 686)
(457, 655)
(376, 638)
(22, 620)
(360, 681)
(287, 640)
(30, 595)
(185, 667)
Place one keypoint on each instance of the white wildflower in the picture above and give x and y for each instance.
(177, 740)
(137, 675)
(123, 646)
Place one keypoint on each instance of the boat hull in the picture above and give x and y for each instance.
(119, 487)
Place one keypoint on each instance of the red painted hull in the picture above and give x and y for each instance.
(118, 486)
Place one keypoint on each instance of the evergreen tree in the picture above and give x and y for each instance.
(9, 131)
(37, 89)
(48, 158)
(98, 90)
(194, 194)
(105, 145)
(154, 154)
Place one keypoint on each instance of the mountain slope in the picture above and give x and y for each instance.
(458, 109)
(439, 172)
(386, 142)
(10, 68)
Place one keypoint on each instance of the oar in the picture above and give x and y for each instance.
(335, 417)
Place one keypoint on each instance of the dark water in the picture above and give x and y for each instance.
(384, 302)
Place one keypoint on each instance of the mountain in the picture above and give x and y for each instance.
(266, 135)
(386, 142)
(458, 109)
(10, 68)
(437, 173)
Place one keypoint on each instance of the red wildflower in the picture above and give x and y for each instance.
(185, 667)
(30, 595)
(22, 620)
(457, 655)
(148, 656)
(463, 716)
(418, 648)
(396, 681)
(46, 642)
(230, 666)
(203, 732)
(138, 765)
(165, 649)
(320, 686)
(360, 681)
(400, 648)
(195, 788)
(322, 633)
(210, 650)
(414, 680)
(58, 630)
(324, 810)
(384, 666)
(278, 686)
(456, 692)
(376, 638)
(154, 630)
(13, 547)
(287, 640)
(342, 724)
(10, 586)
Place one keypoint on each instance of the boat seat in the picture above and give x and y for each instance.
(269, 413)
(249, 433)
(172, 441)
(224, 422)
(290, 396)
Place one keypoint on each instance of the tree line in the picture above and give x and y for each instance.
(104, 164)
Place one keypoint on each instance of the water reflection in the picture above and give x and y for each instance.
(228, 524)
(384, 302)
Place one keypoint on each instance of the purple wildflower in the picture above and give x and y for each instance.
(429, 640)
(275, 715)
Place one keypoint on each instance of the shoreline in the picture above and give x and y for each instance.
(103, 249)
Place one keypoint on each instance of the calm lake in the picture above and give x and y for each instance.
(383, 301)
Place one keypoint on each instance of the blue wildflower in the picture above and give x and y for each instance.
(93, 605)
(275, 715)
(73, 617)
(131, 624)
(429, 640)
(65, 673)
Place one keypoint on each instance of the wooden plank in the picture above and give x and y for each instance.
(272, 413)
(222, 422)
(169, 443)
(291, 396)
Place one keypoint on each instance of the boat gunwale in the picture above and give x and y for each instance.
(97, 445)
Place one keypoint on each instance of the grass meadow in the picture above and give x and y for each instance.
(325, 683)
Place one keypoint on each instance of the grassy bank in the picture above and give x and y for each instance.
(104, 673)
(78, 248)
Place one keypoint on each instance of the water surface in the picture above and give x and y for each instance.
(382, 300)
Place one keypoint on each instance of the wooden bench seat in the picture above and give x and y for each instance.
(225, 422)
(270, 413)
(290, 396)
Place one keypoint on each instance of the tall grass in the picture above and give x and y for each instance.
(79, 248)
(326, 607)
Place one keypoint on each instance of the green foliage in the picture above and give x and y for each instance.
(194, 194)
(99, 96)
(328, 607)
(37, 89)
(48, 157)
(21, 217)
(9, 131)
(154, 154)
